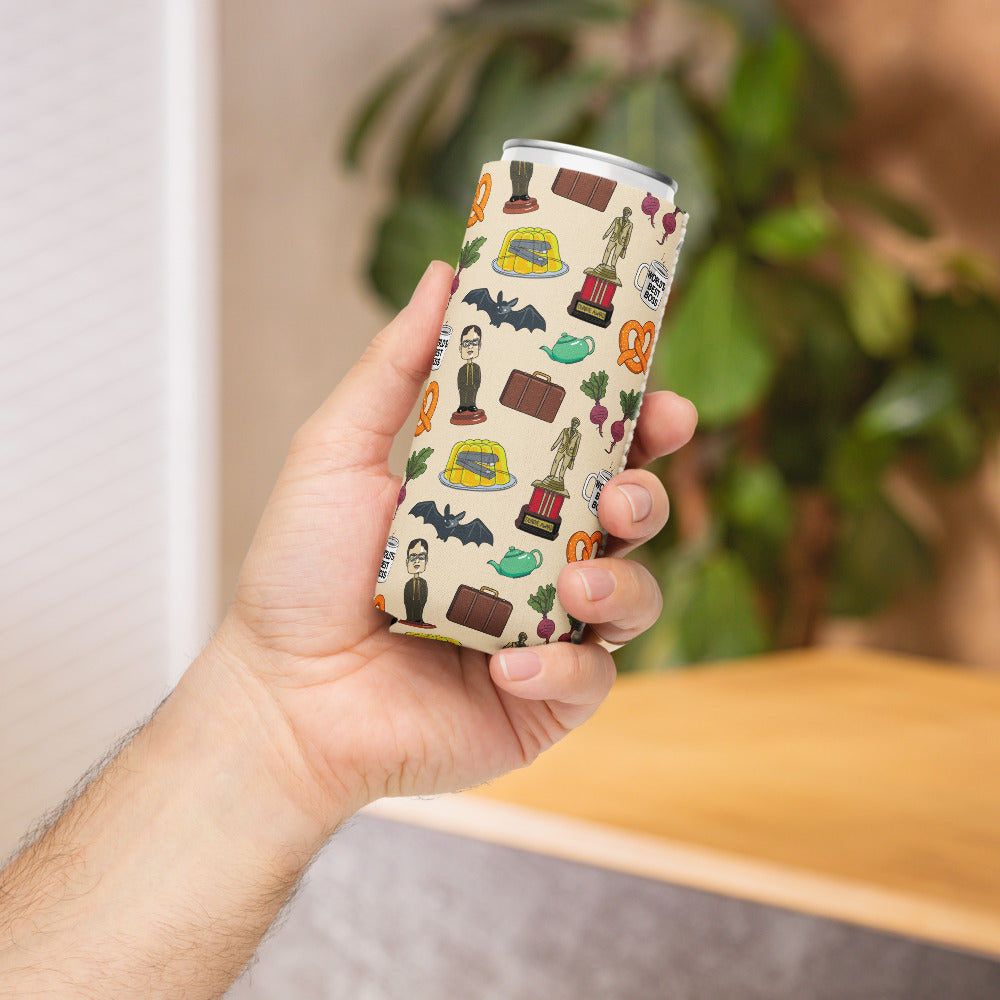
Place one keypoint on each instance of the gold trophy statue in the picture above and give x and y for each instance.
(593, 302)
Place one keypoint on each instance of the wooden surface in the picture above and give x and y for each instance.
(855, 785)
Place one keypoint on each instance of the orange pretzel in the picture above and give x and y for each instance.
(427, 411)
(591, 546)
(636, 357)
(479, 203)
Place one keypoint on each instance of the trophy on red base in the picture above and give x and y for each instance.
(593, 302)
(540, 515)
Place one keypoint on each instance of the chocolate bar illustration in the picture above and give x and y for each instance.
(536, 395)
(483, 610)
(586, 189)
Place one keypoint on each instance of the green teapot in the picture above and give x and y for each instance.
(569, 349)
(517, 563)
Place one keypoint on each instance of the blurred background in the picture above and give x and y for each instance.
(208, 209)
(835, 317)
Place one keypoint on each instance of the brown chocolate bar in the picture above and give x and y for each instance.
(587, 189)
(483, 610)
(536, 395)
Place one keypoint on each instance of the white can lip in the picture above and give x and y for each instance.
(616, 168)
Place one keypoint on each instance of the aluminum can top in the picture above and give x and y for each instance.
(561, 154)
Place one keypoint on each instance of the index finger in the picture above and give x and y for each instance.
(666, 423)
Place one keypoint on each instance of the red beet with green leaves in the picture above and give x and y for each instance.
(416, 465)
(469, 255)
(630, 407)
(595, 387)
(542, 601)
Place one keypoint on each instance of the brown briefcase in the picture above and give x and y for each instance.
(587, 189)
(536, 395)
(483, 610)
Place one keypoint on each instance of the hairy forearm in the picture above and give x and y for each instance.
(162, 877)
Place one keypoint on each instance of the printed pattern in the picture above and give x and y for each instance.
(523, 443)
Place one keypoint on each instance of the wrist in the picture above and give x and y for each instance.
(239, 727)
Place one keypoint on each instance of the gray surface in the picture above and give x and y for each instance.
(391, 911)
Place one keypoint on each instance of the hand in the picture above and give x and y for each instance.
(375, 713)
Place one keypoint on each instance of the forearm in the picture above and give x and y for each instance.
(161, 879)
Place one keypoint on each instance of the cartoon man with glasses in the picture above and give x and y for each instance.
(415, 590)
(470, 377)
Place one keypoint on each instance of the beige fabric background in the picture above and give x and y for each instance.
(295, 311)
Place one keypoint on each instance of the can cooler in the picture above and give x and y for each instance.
(534, 394)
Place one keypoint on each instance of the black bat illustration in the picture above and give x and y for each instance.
(526, 318)
(447, 524)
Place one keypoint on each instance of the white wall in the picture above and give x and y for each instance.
(106, 372)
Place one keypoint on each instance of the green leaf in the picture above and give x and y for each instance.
(416, 464)
(650, 122)
(714, 352)
(909, 400)
(509, 98)
(878, 555)
(760, 105)
(879, 304)
(893, 209)
(419, 135)
(856, 467)
(720, 619)
(755, 18)
(376, 103)
(757, 499)
(412, 234)
(954, 444)
(596, 386)
(470, 252)
(523, 16)
(965, 335)
(630, 403)
(759, 112)
(543, 599)
(791, 233)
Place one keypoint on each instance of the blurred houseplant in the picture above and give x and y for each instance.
(819, 367)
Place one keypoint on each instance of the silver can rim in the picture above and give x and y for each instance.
(594, 154)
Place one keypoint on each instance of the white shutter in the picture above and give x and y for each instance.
(107, 424)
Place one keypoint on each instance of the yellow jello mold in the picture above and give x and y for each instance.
(477, 471)
(541, 242)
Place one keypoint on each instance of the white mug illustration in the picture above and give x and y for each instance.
(391, 545)
(654, 285)
(441, 347)
(592, 493)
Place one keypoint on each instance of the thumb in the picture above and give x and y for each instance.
(378, 393)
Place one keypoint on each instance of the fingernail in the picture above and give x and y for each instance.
(639, 500)
(597, 583)
(519, 664)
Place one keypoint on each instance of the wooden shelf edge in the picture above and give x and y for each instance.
(694, 867)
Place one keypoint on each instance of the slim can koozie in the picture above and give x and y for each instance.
(535, 389)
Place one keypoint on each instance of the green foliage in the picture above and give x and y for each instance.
(543, 599)
(818, 365)
(470, 252)
(716, 353)
(416, 464)
(630, 403)
(596, 386)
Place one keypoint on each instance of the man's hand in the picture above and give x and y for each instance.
(374, 713)
(161, 878)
